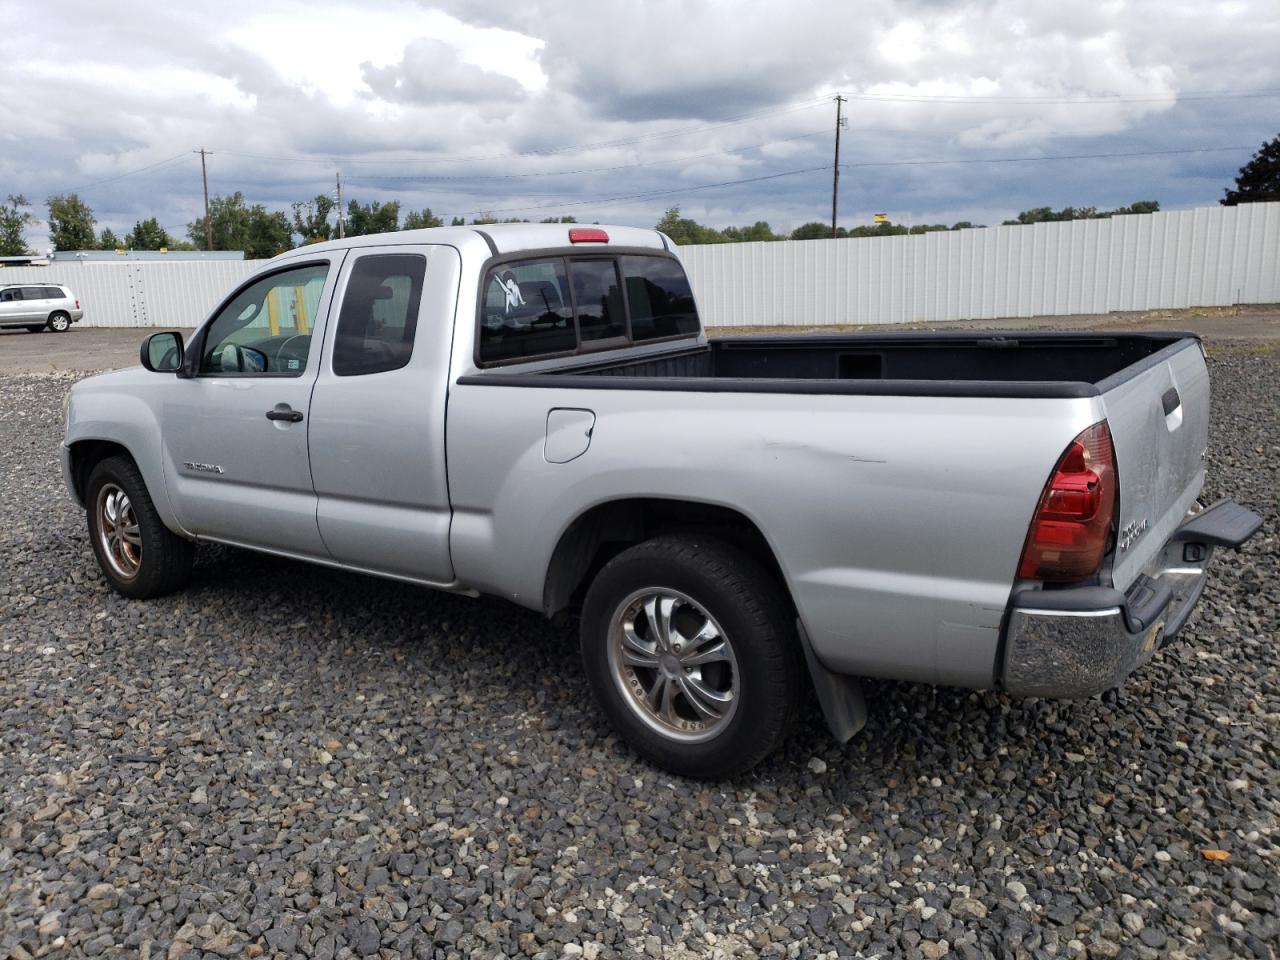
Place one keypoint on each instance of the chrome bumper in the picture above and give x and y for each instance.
(1081, 641)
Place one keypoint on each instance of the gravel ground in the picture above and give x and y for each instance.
(286, 760)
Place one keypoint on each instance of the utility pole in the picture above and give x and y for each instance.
(835, 168)
(342, 230)
(208, 225)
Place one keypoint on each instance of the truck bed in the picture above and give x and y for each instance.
(931, 364)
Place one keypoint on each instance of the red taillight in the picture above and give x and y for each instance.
(587, 235)
(77, 304)
(1072, 523)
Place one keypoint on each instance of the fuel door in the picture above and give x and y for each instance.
(568, 434)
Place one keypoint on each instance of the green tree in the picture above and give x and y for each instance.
(259, 232)
(270, 233)
(15, 217)
(147, 235)
(1259, 179)
(311, 219)
(682, 230)
(374, 217)
(760, 230)
(487, 218)
(71, 222)
(421, 221)
(1049, 215)
(816, 231)
(558, 220)
(458, 222)
(107, 240)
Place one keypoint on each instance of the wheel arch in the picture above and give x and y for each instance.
(604, 530)
(87, 454)
(601, 531)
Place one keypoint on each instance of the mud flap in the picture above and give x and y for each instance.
(843, 705)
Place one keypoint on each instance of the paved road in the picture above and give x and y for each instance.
(79, 349)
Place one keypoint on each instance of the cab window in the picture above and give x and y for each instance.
(266, 328)
(379, 316)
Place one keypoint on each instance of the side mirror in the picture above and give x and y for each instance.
(162, 352)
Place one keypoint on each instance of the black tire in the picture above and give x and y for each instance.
(59, 322)
(37, 328)
(755, 619)
(164, 559)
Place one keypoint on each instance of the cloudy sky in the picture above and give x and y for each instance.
(615, 110)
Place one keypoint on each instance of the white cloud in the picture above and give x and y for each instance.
(94, 90)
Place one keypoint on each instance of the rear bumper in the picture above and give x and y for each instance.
(1081, 641)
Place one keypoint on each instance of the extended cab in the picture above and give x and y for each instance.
(534, 412)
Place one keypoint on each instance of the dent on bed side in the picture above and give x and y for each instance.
(820, 451)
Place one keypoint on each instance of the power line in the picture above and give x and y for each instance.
(1039, 100)
(1070, 156)
(130, 173)
(433, 177)
(652, 195)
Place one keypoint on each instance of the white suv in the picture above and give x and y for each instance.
(38, 307)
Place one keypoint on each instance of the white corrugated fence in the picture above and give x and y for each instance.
(1212, 256)
(143, 293)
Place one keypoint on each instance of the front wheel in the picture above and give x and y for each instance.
(59, 322)
(688, 646)
(138, 554)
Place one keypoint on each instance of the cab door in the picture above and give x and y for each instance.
(378, 413)
(36, 303)
(234, 429)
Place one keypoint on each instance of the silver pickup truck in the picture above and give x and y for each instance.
(533, 412)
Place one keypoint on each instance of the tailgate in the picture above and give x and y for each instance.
(1158, 412)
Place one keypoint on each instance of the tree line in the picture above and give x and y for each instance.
(235, 224)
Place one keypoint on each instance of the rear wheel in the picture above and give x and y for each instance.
(138, 554)
(689, 649)
(59, 322)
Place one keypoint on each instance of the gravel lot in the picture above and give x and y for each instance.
(290, 761)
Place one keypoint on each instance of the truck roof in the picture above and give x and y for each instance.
(499, 238)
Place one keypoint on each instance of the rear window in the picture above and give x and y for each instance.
(598, 299)
(527, 311)
(558, 305)
(660, 297)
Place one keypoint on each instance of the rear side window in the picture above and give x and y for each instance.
(379, 317)
(527, 311)
(54, 293)
(34, 293)
(660, 298)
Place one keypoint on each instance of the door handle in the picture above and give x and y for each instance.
(282, 411)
